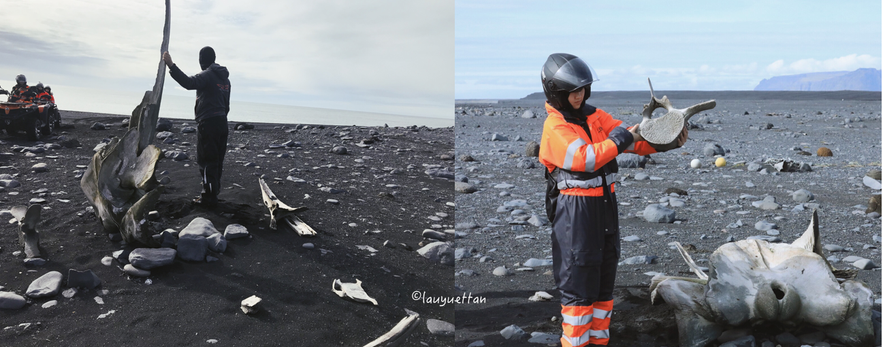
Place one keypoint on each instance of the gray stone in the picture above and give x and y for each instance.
(754, 167)
(865, 264)
(464, 187)
(308, 245)
(513, 332)
(787, 338)
(833, 248)
(10, 183)
(802, 195)
(640, 176)
(479, 343)
(745, 341)
(713, 149)
(217, 243)
(765, 226)
(188, 130)
(538, 221)
(766, 238)
(162, 135)
(192, 247)
(432, 234)
(641, 259)
(134, 271)
(544, 338)
(528, 114)
(502, 271)
(631, 238)
(439, 252)
(812, 338)
(235, 231)
(163, 125)
(656, 213)
(49, 303)
(461, 253)
(532, 149)
(200, 227)
(498, 137)
(526, 163)
(534, 262)
(98, 126)
(466, 226)
(150, 258)
(11, 301)
(40, 167)
(46, 285)
(82, 279)
(339, 150)
(439, 327)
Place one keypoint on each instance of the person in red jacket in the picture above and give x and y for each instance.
(578, 148)
(20, 90)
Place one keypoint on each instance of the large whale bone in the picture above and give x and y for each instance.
(279, 211)
(27, 218)
(352, 290)
(398, 333)
(757, 282)
(662, 132)
(122, 174)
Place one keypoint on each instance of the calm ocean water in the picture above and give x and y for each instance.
(180, 107)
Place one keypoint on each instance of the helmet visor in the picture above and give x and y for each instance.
(574, 75)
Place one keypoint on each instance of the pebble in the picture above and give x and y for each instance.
(151, 258)
(308, 245)
(502, 271)
(235, 231)
(463, 187)
(641, 259)
(11, 301)
(632, 238)
(82, 279)
(865, 264)
(50, 303)
(439, 327)
(534, 262)
(802, 195)
(655, 213)
(765, 226)
(135, 272)
(513, 332)
(40, 167)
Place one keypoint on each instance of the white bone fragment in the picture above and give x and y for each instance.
(352, 290)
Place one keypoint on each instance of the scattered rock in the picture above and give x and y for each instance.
(463, 187)
(513, 332)
(713, 149)
(498, 137)
(534, 262)
(630, 160)
(641, 259)
(824, 152)
(135, 272)
(439, 252)
(40, 167)
(163, 125)
(339, 150)
(98, 126)
(502, 271)
(82, 279)
(46, 285)
(235, 231)
(656, 213)
(438, 327)
(11, 301)
(532, 149)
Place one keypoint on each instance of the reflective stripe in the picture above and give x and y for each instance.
(571, 151)
(576, 320)
(590, 158)
(575, 341)
(585, 184)
(600, 334)
(601, 314)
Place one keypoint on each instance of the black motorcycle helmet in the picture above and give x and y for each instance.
(48, 89)
(21, 80)
(40, 86)
(565, 73)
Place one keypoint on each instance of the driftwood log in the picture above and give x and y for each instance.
(120, 181)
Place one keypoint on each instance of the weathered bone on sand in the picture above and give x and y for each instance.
(398, 333)
(28, 217)
(662, 132)
(352, 290)
(280, 211)
(121, 175)
(754, 281)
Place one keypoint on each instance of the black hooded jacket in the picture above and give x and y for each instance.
(212, 90)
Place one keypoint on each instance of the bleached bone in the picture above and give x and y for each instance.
(122, 174)
(662, 132)
(692, 264)
(28, 217)
(280, 211)
(754, 281)
(352, 290)
(398, 333)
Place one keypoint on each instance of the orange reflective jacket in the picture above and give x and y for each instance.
(566, 145)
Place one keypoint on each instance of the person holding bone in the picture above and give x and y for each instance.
(578, 148)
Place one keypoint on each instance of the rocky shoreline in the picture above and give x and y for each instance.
(769, 186)
(375, 195)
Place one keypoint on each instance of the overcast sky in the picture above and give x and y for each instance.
(386, 56)
(681, 45)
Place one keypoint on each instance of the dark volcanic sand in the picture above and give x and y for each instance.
(189, 303)
(849, 123)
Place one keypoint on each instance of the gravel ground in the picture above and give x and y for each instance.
(751, 127)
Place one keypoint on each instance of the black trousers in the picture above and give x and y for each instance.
(211, 145)
(585, 248)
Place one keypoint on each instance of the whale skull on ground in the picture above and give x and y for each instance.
(662, 132)
(754, 282)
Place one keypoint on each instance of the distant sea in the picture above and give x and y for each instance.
(180, 107)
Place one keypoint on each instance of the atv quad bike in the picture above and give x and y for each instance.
(35, 118)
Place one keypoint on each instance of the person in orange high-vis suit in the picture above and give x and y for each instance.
(579, 147)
